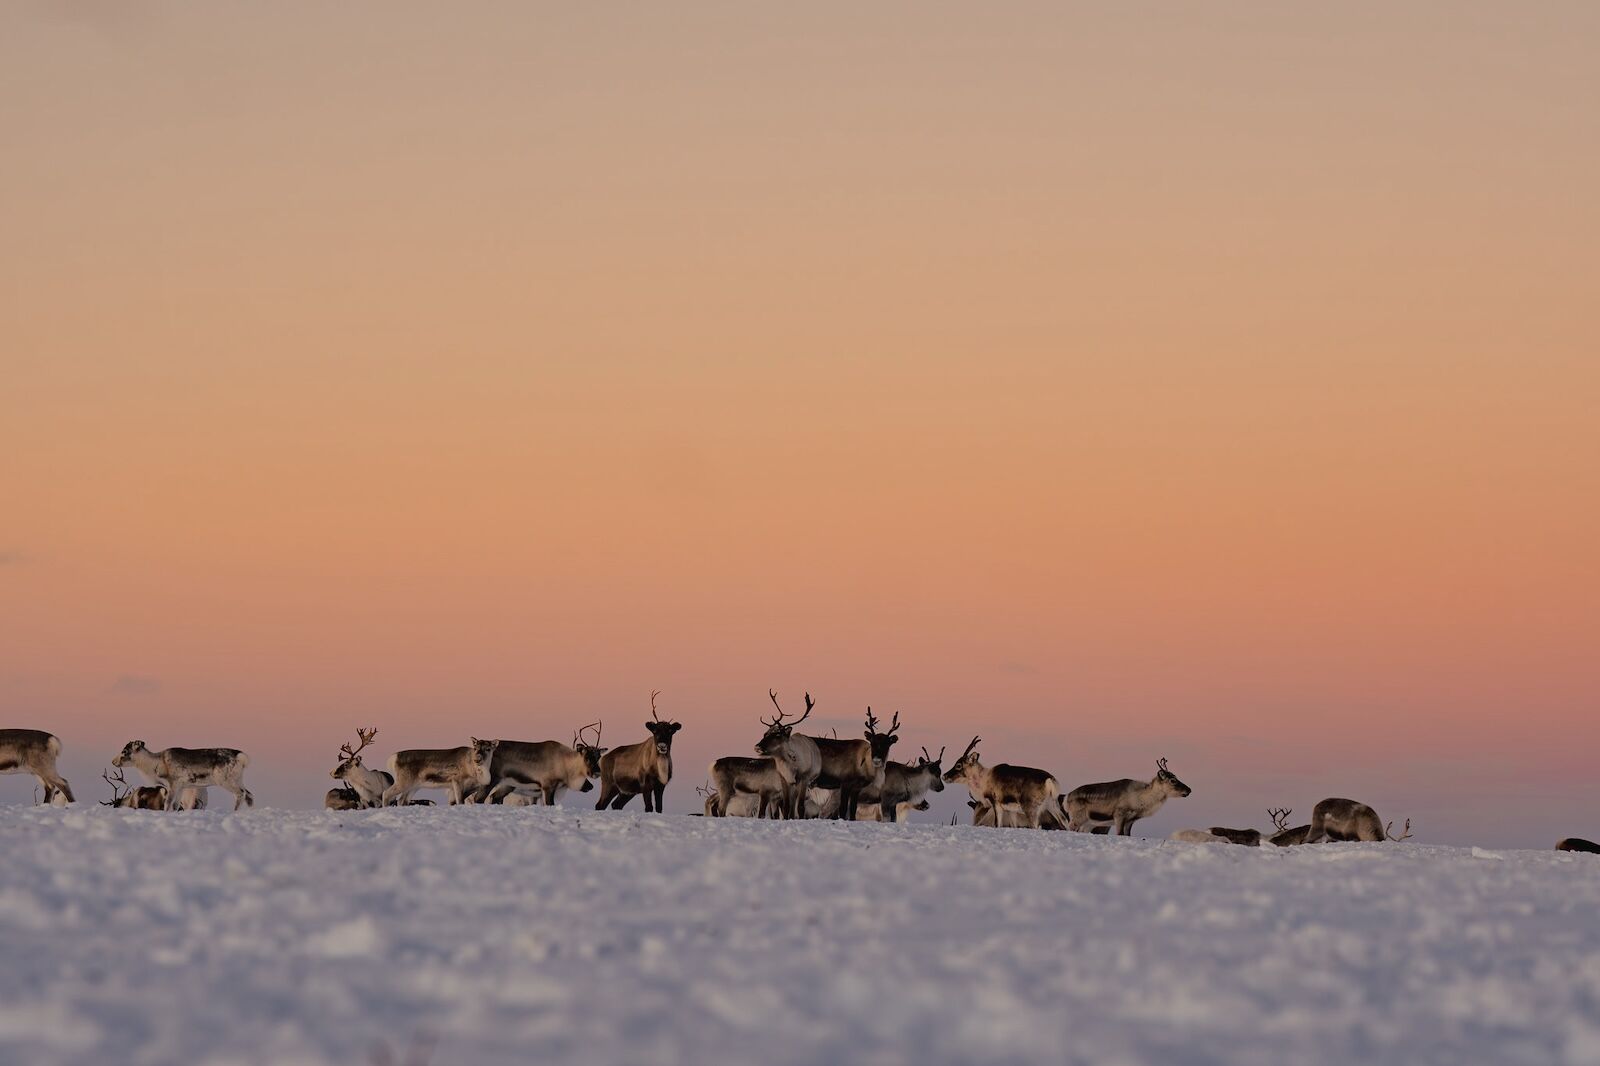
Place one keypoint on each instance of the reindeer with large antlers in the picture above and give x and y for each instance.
(369, 785)
(639, 769)
(1004, 787)
(796, 756)
(1344, 819)
(548, 766)
(141, 798)
(852, 766)
(1285, 837)
(1122, 803)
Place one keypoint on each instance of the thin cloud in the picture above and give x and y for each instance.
(132, 685)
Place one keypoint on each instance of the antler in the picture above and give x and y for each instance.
(773, 695)
(872, 721)
(929, 758)
(810, 703)
(705, 789)
(894, 726)
(1280, 817)
(1404, 833)
(346, 752)
(1161, 764)
(577, 738)
(653, 696)
(114, 780)
(970, 746)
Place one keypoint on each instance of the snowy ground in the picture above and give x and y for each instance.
(567, 936)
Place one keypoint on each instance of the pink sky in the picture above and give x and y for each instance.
(1213, 386)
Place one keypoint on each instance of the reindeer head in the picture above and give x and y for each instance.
(482, 756)
(881, 742)
(129, 750)
(351, 757)
(778, 730)
(591, 752)
(119, 790)
(930, 764)
(1170, 781)
(662, 731)
(966, 765)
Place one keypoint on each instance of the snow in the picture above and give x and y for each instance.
(548, 935)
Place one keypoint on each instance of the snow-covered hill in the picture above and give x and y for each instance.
(560, 936)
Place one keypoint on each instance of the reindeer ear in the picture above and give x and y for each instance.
(676, 726)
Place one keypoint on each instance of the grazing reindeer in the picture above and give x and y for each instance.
(1578, 844)
(369, 785)
(33, 751)
(1122, 803)
(795, 755)
(639, 769)
(739, 782)
(342, 798)
(1286, 837)
(1003, 786)
(181, 769)
(548, 765)
(461, 770)
(904, 787)
(1343, 819)
(853, 765)
(143, 798)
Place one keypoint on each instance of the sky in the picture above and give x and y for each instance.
(1110, 382)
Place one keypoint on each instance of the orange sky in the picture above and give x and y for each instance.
(1214, 384)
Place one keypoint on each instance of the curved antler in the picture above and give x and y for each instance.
(970, 746)
(1280, 817)
(346, 752)
(653, 696)
(1404, 833)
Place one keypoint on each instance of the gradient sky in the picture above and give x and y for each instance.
(1218, 383)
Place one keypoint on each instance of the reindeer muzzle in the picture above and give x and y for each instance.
(588, 786)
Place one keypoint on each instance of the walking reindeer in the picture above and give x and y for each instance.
(33, 751)
(1122, 803)
(460, 770)
(185, 769)
(547, 767)
(639, 769)
(1003, 787)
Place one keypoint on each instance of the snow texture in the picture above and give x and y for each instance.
(539, 935)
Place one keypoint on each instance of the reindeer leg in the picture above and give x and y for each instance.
(649, 795)
(57, 784)
(608, 792)
(661, 798)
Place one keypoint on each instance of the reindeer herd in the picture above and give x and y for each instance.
(792, 775)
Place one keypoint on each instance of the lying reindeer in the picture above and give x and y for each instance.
(1344, 819)
(184, 769)
(342, 798)
(1578, 844)
(795, 755)
(143, 798)
(639, 769)
(1002, 786)
(1122, 803)
(33, 751)
(904, 787)
(460, 770)
(1250, 838)
(547, 765)
(739, 784)
(1286, 837)
(369, 785)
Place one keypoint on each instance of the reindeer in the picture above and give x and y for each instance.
(1344, 819)
(904, 787)
(642, 768)
(369, 785)
(181, 769)
(33, 751)
(795, 755)
(547, 765)
(459, 770)
(143, 798)
(738, 781)
(1124, 802)
(342, 798)
(1003, 786)
(853, 765)
(1578, 844)
(1286, 837)
(873, 812)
